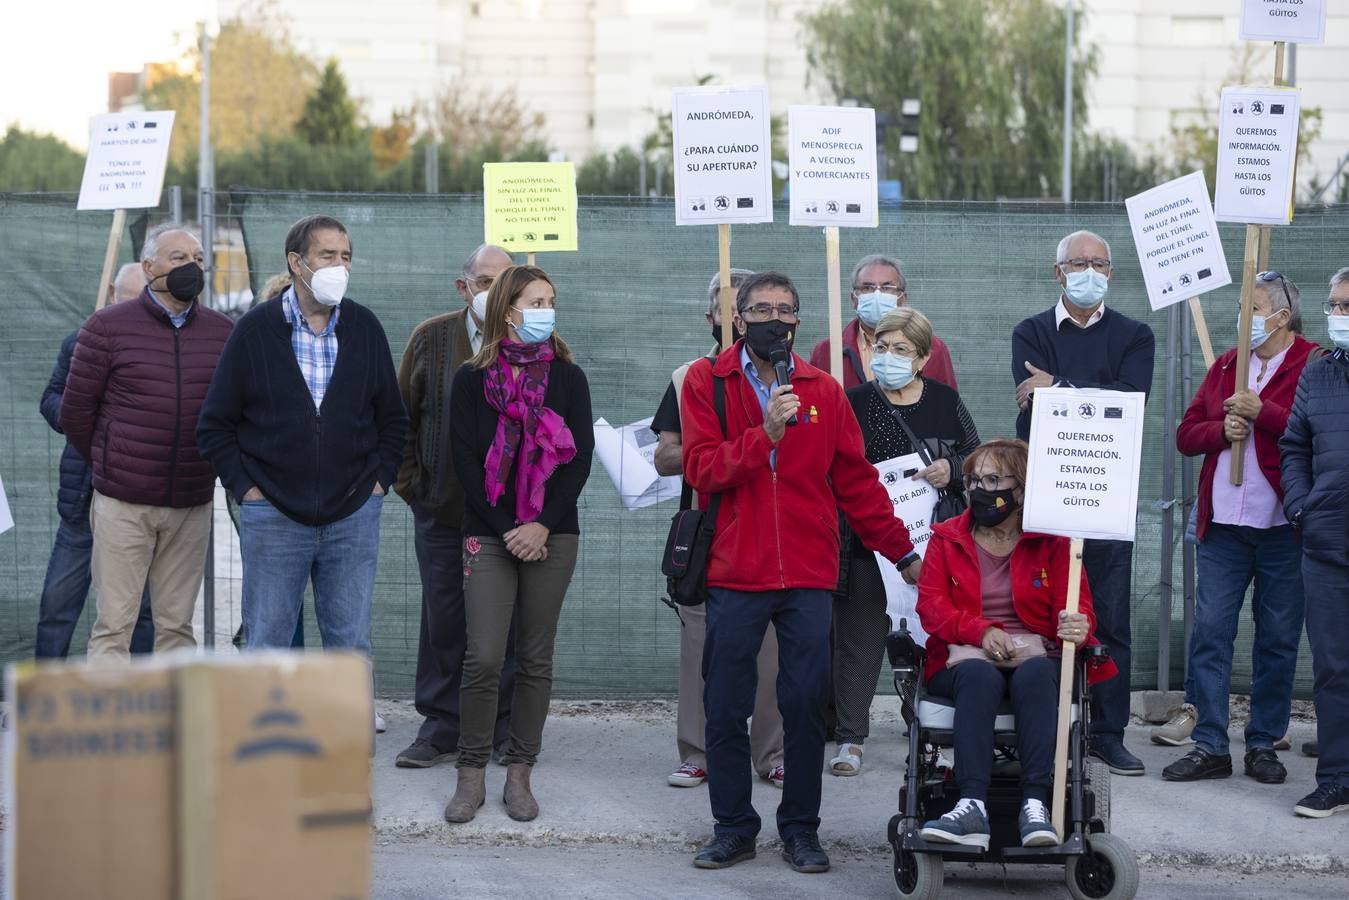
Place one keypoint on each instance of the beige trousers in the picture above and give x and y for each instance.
(765, 727)
(132, 543)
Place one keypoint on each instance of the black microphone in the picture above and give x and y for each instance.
(780, 357)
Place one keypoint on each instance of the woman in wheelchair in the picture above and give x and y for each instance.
(992, 599)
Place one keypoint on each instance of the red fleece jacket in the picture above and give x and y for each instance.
(951, 596)
(779, 529)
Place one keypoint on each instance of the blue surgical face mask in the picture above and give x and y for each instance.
(1338, 326)
(870, 307)
(1086, 288)
(537, 325)
(892, 372)
(1258, 333)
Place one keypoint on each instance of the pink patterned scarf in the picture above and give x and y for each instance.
(528, 433)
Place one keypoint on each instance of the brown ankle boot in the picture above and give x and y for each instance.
(520, 803)
(469, 794)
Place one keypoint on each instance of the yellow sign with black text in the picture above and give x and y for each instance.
(530, 207)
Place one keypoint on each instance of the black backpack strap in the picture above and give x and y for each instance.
(850, 353)
(919, 447)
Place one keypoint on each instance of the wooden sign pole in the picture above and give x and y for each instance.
(831, 268)
(1256, 260)
(1066, 671)
(529, 259)
(1201, 329)
(110, 256)
(727, 294)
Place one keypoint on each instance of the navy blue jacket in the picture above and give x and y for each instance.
(1315, 459)
(258, 426)
(1115, 354)
(76, 487)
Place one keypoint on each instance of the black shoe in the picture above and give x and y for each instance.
(1309, 748)
(1199, 764)
(1326, 800)
(1263, 765)
(1117, 757)
(804, 853)
(723, 851)
(422, 754)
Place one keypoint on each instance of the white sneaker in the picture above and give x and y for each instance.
(380, 726)
(1176, 733)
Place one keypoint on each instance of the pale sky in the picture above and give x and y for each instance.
(55, 56)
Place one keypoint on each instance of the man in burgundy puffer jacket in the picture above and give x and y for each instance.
(136, 385)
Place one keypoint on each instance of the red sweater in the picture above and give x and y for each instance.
(950, 592)
(938, 365)
(779, 529)
(1201, 431)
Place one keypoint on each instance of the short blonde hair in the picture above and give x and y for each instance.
(910, 323)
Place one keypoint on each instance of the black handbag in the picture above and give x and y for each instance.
(689, 543)
(950, 501)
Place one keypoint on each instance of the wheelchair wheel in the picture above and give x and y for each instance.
(1108, 871)
(1099, 775)
(918, 876)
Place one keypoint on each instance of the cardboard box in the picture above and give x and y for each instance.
(186, 776)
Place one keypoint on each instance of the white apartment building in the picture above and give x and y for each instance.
(600, 70)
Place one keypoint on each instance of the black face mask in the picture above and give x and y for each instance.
(185, 282)
(764, 337)
(990, 508)
(716, 334)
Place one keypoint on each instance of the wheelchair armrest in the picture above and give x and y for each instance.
(903, 650)
(1094, 653)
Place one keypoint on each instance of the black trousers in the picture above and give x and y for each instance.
(978, 687)
(444, 637)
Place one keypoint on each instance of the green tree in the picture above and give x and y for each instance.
(989, 74)
(330, 115)
(38, 162)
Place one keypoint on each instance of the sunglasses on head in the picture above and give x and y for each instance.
(1283, 283)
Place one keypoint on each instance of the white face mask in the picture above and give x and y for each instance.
(328, 284)
(480, 306)
(1338, 327)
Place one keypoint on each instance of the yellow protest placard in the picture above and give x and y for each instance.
(530, 207)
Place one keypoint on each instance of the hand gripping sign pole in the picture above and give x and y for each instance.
(1066, 671)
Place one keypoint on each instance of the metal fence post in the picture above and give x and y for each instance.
(176, 204)
(1186, 488)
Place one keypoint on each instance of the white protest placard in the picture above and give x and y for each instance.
(128, 153)
(832, 161)
(1257, 149)
(6, 517)
(913, 502)
(628, 454)
(1294, 21)
(722, 156)
(1177, 240)
(1086, 447)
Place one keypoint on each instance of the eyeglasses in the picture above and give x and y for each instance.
(1080, 264)
(762, 312)
(1336, 307)
(990, 482)
(885, 287)
(1283, 283)
(482, 282)
(897, 349)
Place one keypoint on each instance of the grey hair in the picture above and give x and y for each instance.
(122, 274)
(738, 277)
(1060, 254)
(1277, 301)
(877, 259)
(477, 254)
(150, 248)
(1339, 278)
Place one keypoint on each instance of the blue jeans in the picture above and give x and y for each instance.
(736, 622)
(65, 590)
(281, 556)
(1227, 559)
(1327, 586)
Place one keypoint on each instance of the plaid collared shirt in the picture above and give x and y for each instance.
(315, 353)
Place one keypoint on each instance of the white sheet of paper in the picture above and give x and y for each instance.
(723, 154)
(1177, 240)
(628, 454)
(832, 161)
(1086, 447)
(913, 502)
(1300, 22)
(128, 153)
(1257, 149)
(6, 517)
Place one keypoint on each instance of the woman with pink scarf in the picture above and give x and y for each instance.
(521, 441)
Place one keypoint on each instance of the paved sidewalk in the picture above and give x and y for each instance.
(601, 781)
